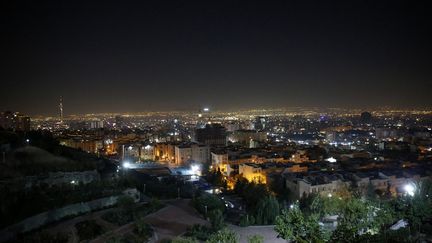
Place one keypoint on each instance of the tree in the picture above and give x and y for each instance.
(417, 209)
(310, 203)
(199, 232)
(225, 236)
(361, 219)
(292, 225)
(277, 185)
(246, 220)
(240, 185)
(267, 210)
(251, 192)
(216, 219)
(208, 201)
(216, 178)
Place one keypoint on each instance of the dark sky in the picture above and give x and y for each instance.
(170, 55)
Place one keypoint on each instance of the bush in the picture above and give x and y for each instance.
(255, 239)
(216, 219)
(199, 232)
(212, 202)
(267, 210)
(247, 220)
(225, 236)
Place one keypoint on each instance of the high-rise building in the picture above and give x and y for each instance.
(96, 124)
(247, 138)
(61, 109)
(186, 153)
(211, 134)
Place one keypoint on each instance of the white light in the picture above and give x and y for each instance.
(409, 189)
(206, 109)
(126, 165)
(330, 195)
(195, 169)
(130, 148)
(331, 160)
(292, 206)
(73, 182)
(27, 140)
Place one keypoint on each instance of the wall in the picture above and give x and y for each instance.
(54, 215)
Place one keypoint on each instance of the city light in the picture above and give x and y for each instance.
(126, 165)
(331, 160)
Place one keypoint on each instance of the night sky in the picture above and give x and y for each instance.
(183, 55)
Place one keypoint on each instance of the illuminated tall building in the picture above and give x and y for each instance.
(61, 109)
(187, 153)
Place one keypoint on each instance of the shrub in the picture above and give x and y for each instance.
(199, 232)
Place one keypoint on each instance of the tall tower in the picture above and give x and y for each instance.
(61, 109)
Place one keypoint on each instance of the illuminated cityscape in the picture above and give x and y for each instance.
(216, 122)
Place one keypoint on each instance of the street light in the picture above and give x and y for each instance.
(126, 165)
(409, 189)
